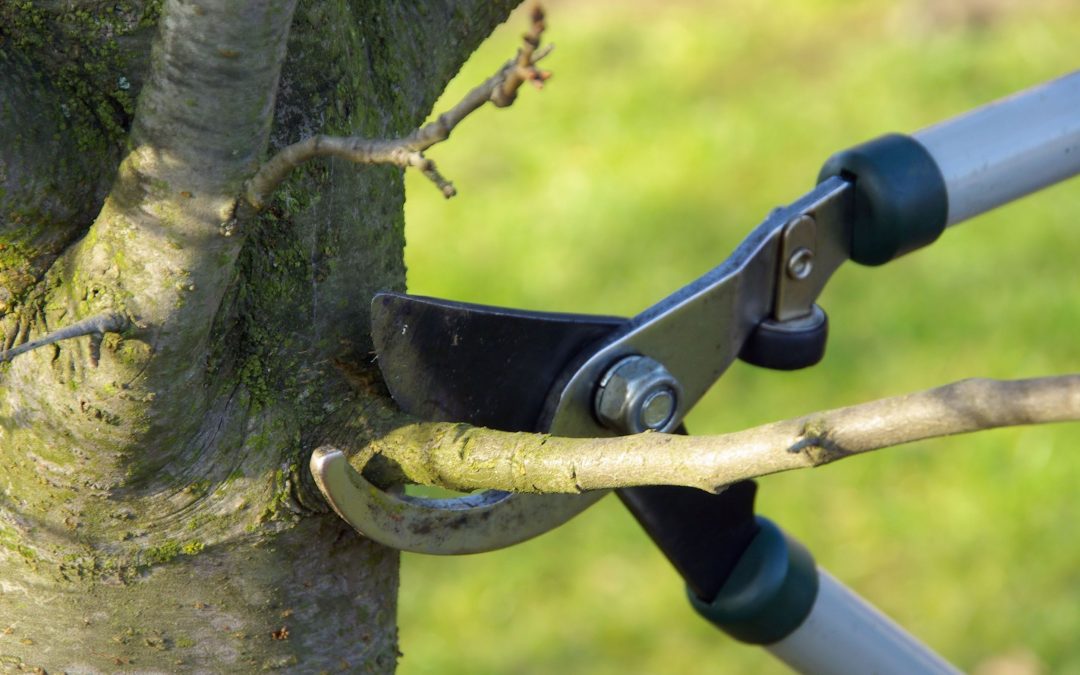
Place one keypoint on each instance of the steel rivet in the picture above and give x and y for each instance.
(800, 264)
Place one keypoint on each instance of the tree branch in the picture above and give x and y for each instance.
(500, 89)
(95, 327)
(461, 457)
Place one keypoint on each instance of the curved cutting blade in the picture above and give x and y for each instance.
(488, 366)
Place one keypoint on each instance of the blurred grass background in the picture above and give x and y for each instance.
(668, 130)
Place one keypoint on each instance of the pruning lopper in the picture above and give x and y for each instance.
(588, 376)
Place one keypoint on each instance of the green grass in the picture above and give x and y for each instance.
(667, 132)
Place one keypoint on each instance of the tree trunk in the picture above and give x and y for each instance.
(156, 513)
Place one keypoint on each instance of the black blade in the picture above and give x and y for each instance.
(488, 366)
(493, 367)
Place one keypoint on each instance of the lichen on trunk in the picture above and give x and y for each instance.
(155, 512)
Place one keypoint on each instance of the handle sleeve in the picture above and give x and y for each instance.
(901, 198)
(908, 189)
(776, 597)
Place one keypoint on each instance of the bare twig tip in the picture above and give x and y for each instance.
(500, 89)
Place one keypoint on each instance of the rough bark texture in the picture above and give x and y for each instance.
(154, 510)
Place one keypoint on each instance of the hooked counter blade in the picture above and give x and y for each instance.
(488, 366)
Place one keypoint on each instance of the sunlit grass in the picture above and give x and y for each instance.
(667, 132)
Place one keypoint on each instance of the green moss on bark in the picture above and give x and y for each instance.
(198, 531)
(85, 49)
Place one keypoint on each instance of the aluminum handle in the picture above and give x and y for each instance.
(844, 635)
(1009, 148)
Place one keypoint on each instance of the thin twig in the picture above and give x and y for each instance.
(500, 89)
(95, 327)
(465, 458)
(523, 67)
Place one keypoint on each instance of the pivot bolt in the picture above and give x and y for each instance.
(637, 394)
(800, 264)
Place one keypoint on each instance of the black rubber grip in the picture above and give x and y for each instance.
(770, 592)
(901, 202)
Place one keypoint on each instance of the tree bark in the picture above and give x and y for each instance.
(155, 511)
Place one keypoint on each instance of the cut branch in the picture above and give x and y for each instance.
(95, 327)
(500, 89)
(461, 457)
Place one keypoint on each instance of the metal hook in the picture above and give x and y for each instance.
(476, 523)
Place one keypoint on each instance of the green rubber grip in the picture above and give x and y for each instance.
(769, 593)
(901, 201)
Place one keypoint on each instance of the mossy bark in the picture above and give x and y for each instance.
(155, 510)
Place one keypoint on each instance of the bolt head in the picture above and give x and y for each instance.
(637, 394)
(801, 264)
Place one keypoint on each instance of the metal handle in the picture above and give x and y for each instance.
(845, 635)
(775, 596)
(1009, 148)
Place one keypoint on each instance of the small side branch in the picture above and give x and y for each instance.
(466, 458)
(95, 327)
(500, 89)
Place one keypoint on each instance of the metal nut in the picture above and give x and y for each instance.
(638, 394)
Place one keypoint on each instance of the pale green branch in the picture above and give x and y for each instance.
(461, 457)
